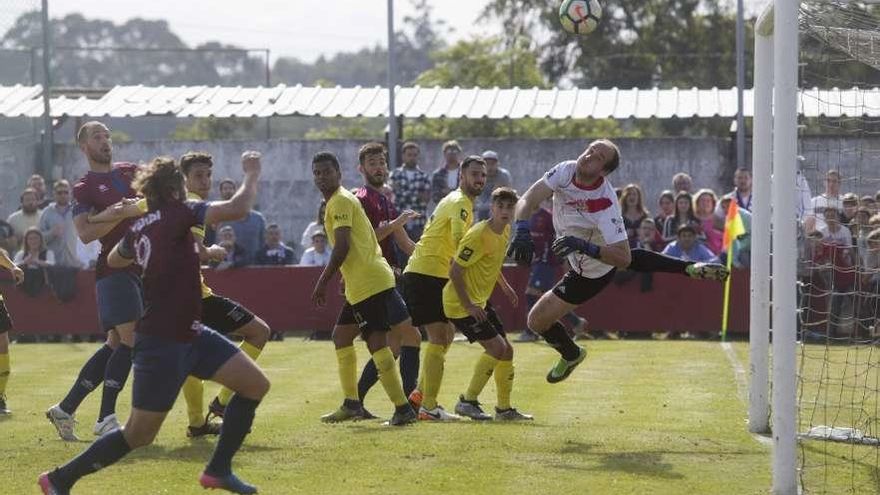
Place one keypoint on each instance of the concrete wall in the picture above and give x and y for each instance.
(18, 159)
(288, 197)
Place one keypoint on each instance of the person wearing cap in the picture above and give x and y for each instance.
(686, 247)
(318, 254)
(850, 203)
(495, 177)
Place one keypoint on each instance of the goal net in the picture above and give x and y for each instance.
(838, 362)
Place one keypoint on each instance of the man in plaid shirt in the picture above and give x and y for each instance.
(412, 189)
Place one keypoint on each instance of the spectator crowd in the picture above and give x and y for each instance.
(839, 232)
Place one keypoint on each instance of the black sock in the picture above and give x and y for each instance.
(572, 319)
(649, 261)
(91, 374)
(105, 451)
(369, 377)
(236, 424)
(115, 376)
(409, 368)
(558, 338)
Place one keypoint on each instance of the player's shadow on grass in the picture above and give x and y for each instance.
(638, 463)
(372, 427)
(197, 451)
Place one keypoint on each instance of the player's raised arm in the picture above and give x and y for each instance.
(531, 200)
(341, 245)
(240, 204)
(127, 208)
(522, 248)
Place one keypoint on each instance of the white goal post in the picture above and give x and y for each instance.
(774, 169)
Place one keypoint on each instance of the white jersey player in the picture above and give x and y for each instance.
(590, 212)
(587, 219)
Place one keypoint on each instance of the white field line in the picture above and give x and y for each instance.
(742, 386)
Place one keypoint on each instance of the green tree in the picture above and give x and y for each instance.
(639, 43)
(490, 62)
(211, 128)
(83, 58)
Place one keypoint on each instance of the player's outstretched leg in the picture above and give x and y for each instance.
(250, 385)
(61, 415)
(644, 260)
(544, 319)
(140, 431)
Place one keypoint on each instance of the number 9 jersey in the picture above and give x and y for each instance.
(163, 245)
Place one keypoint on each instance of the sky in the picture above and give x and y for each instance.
(301, 28)
(304, 29)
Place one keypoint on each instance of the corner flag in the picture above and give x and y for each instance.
(733, 228)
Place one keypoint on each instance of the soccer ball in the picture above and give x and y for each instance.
(580, 16)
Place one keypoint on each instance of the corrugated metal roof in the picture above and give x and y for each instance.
(417, 102)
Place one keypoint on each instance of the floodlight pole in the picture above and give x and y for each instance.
(392, 117)
(740, 84)
(47, 162)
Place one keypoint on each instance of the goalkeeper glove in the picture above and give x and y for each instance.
(522, 249)
(565, 245)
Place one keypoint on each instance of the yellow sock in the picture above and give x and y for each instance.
(389, 376)
(504, 383)
(433, 374)
(421, 384)
(4, 372)
(194, 393)
(253, 352)
(348, 371)
(482, 372)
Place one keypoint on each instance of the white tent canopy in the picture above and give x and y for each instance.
(418, 102)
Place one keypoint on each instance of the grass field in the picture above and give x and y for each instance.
(638, 417)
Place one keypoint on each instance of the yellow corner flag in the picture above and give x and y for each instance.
(733, 228)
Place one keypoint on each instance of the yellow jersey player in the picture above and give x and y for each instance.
(474, 272)
(5, 327)
(369, 286)
(219, 313)
(404, 339)
(428, 272)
